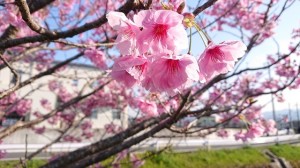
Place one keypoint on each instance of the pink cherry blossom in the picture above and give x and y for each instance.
(22, 107)
(255, 130)
(174, 5)
(240, 136)
(127, 32)
(220, 58)
(45, 104)
(86, 125)
(97, 57)
(70, 138)
(129, 70)
(253, 113)
(87, 134)
(136, 162)
(112, 128)
(148, 108)
(162, 32)
(39, 130)
(171, 75)
(222, 133)
(270, 126)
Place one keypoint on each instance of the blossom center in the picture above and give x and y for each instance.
(128, 33)
(215, 54)
(141, 67)
(160, 31)
(173, 65)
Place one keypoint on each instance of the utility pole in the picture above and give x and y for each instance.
(273, 105)
(298, 120)
(290, 118)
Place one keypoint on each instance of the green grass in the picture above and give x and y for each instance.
(30, 164)
(287, 151)
(247, 157)
(290, 153)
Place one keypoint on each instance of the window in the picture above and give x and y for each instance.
(94, 84)
(94, 113)
(11, 119)
(59, 102)
(14, 79)
(116, 114)
(75, 82)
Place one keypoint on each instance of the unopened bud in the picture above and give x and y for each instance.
(180, 7)
(188, 20)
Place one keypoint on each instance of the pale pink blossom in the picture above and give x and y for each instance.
(68, 117)
(171, 75)
(37, 114)
(163, 31)
(10, 17)
(240, 136)
(22, 107)
(127, 32)
(222, 133)
(97, 57)
(175, 5)
(70, 138)
(45, 104)
(64, 95)
(253, 113)
(220, 58)
(39, 130)
(86, 125)
(148, 108)
(255, 130)
(129, 70)
(270, 126)
(111, 128)
(136, 162)
(54, 120)
(53, 85)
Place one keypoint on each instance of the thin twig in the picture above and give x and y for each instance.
(16, 76)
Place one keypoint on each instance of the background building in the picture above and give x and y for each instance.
(74, 77)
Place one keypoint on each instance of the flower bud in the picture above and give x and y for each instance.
(188, 20)
(180, 7)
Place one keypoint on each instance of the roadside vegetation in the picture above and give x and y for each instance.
(30, 164)
(289, 152)
(246, 157)
(227, 158)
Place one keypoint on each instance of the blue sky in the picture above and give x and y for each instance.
(257, 57)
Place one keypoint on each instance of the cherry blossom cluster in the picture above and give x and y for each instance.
(256, 129)
(255, 124)
(224, 95)
(247, 14)
(151, 45)
(122, 156)
(15, 103)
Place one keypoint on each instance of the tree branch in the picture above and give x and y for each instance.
(201, 8)
(16, 76)
(20, 125)
(126, 8)
(25, 12)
